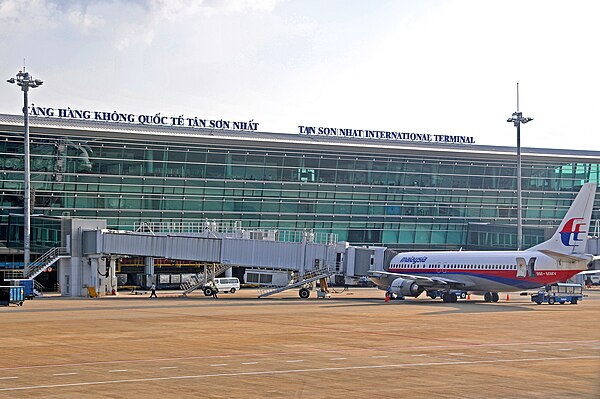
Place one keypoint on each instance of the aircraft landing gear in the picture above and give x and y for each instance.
(491, 297)
(449, 297)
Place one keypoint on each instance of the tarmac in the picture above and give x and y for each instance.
(352, 345)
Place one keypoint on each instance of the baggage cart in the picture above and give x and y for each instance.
(11, 294)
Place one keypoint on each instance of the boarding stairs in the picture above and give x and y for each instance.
(38, 289)
(297, 281)
(198, 280)
(39, 265)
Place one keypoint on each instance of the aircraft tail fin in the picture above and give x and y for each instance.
(572, 234)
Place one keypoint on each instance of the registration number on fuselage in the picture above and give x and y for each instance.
(541, 274)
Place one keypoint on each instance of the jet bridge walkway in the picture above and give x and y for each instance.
(311, 255)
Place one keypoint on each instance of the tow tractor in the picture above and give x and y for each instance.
(559, 293)
(452, 296)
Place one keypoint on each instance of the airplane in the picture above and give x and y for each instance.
(450, 274)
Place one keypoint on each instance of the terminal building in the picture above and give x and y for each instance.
(399, 194)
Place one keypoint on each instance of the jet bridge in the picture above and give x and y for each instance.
(93, 250)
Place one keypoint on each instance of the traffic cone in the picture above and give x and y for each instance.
(468, 297)
(507, 297)
(387, 298)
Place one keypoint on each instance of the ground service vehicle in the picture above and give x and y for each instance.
(559, 293)
(27, 285)
(223, 284)
(440, 294)
(11, 294)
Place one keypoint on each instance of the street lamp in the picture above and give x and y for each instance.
(26, 81)
(517, 118)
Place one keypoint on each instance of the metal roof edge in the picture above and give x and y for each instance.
(99, 126)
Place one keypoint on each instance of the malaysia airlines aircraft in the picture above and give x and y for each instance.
(489, 272)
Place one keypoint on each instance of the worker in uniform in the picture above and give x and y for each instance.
(214, 288)
(153, 291)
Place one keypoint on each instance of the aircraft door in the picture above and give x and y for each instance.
(531, 267)
(521, 268)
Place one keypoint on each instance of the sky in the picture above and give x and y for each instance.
(422, 66)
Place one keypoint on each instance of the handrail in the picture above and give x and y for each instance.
(37, 286)
(42, 262)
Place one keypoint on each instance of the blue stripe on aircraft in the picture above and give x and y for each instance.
(513, 282)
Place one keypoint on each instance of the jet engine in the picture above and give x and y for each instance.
(404, 287)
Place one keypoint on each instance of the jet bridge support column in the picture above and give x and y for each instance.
(108, 275)
(149, 277)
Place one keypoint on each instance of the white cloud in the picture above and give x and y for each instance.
(425, 66)
(26, 16)
(132, 23)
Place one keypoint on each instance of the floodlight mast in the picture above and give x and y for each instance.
(517, 118)
(26, 81)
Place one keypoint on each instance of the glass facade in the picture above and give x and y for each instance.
(368, 193)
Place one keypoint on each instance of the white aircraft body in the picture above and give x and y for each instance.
(489, 272)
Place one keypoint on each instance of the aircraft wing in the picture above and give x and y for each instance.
(589, 272)
(423, 281)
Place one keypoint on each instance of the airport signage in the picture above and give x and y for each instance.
(152, 120)
(384, 135)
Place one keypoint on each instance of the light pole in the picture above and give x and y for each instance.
(517, 118)
(26, 81)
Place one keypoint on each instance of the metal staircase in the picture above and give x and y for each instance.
(297, 281)
(39, 265)
(38, 289)
(199, 279)
(45, 261)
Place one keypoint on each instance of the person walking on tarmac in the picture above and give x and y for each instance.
(153, 291)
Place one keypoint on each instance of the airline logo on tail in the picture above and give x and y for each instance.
(572, 228)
